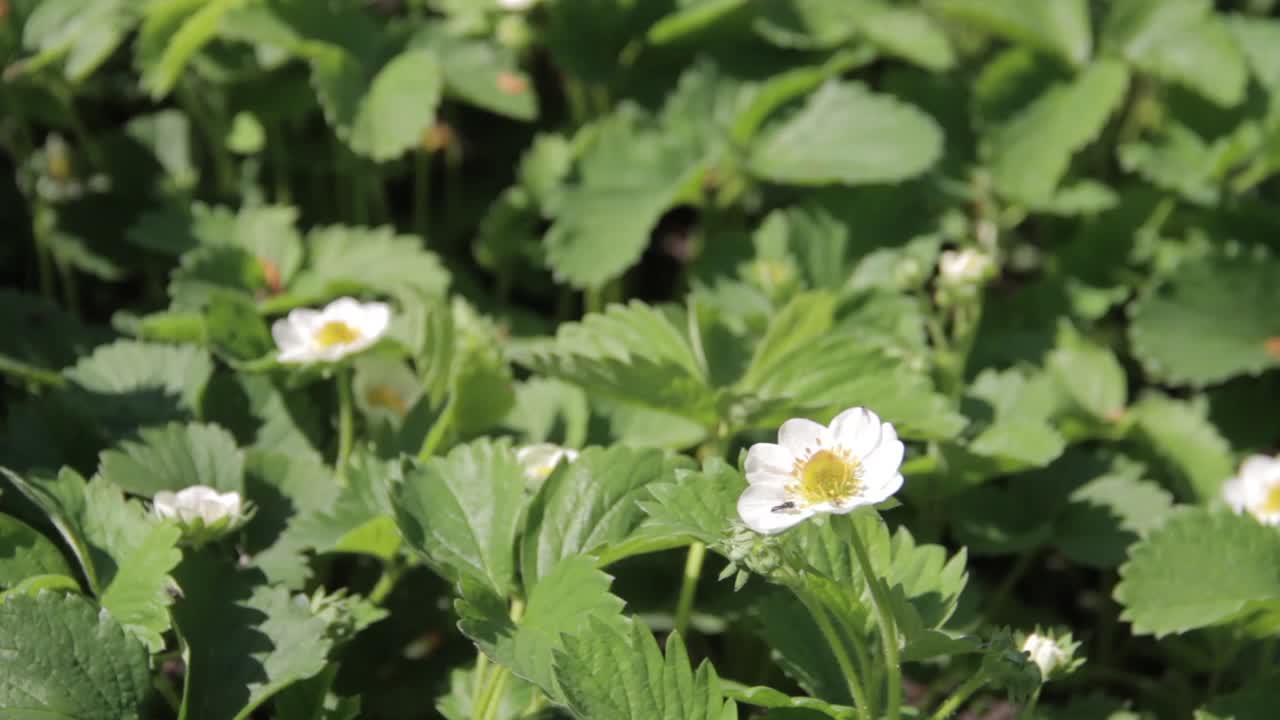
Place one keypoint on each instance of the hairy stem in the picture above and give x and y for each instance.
(888, 628)
(689, 585)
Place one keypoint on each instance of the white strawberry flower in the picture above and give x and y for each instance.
(540, 460)
(813, 469)
(345, 326)
(1045, 652)
(1256, 489)
(969, 266)
(516, 5)
(203, 513)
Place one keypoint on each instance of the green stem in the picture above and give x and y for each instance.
(888, 629)
(346, 423)
(1029, 710)
(164, 686)
(44, 255)
(689, 585)
(391, 572)
(490, 700)
(436, 435)
(279, 164)
(851, 677)
(958, 698)
(594, 301)
(422, 193)
(478, 677)
(70, 289)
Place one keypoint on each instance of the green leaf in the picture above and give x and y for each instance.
(1057, 27)
(345, 260)
(1255, 702)
(1030, 153)
(908, 33)
(24, 553)
(174, 457)
(798, 646)
(1017, 434)
(80, 33)
(639, 683)
(480, 73)
(1258, 38)
(42, 337)
(630, 352)
(1178, 330)
(138, 383)
(359, 519)
(809, 24)
(1106, 515)
(460, 702)
(849, 135)
(245, 641)
(691, 18)
(174, 31)
(564, 601)
(631, 174)
(1180, 435)
(837, 370)
(700, 504)
(462, 512)
(208, 271)
(64, 658)
(138, 597)
(589, 507)
(1176, 579)
(1181, 41)
(380, 111)
(286, 488)
(768, 697)
(101, 527)
(1090, 376)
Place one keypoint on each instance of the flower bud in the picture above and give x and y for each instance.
(203, 514)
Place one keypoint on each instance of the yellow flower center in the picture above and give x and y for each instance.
(827, 476)
(336, 332)
(1271, 505)
(386, 397)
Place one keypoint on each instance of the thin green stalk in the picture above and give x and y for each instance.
(689, 585)
(496, 683)
(391, 572)
(958, 698)
(1029, 710)
(478, 676)
(437, 433)
(851, 676)
(346, 423)
(888, 629)
(422, 193)
(164, 687)
(44, 256)
(70, 288)
(594, 301)
(279, 164)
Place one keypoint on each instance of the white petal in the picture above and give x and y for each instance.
(288, 335)
(883, 462)
(802, 436)
(347, 309)
(756, 508)
(306, 320)
(164, 504)
(860, 431)
(769, 459)
(873, 494)
(374, 320)
(1233, 491)
(1260, 469)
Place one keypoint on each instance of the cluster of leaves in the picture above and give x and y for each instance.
(653, 230)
